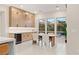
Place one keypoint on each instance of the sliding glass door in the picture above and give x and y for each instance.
(61, 26)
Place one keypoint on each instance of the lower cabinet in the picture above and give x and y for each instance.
(11, 35)
(4, 49)
(23, 37)
(27, 36)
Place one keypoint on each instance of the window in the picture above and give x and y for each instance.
(50, 25)
(61, 25)
(41, 26)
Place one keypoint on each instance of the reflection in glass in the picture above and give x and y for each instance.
(50, 25)
(61, 26)
(41, 26)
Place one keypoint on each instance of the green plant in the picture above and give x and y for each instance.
(63, 27)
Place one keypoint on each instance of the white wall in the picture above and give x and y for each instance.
(73, 29)
(59, 14)
(56, 14)
(51, 14)
(4, 20)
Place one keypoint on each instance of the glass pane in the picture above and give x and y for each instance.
(42, 26)
(50, 25)
(61, 26)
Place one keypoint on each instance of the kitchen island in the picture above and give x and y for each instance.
(7, 46)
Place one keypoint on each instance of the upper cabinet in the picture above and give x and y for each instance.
(20, 18)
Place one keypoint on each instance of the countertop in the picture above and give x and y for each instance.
(21, 29)
(5, 39)
(49, 34)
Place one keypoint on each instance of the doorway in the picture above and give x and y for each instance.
(61, 28)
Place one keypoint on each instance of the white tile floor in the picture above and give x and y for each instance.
(28, 49)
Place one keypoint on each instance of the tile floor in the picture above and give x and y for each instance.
(26, 48)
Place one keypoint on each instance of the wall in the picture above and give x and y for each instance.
(56, 14)
(51, 15)
(4, 20)
(59, 14)
(73, 29)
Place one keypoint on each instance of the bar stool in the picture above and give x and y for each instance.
(40, 38)
(35, 38)
(51, 41)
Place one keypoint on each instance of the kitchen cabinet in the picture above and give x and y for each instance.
(11, 35)
(30, 20)
(27, 36)
(4, 49)
(7, 46)
(26, 33)
(20, 18)
(23, 37)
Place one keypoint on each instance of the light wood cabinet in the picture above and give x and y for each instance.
(24, 36)
(27, 36)
(20, 18)
(11, 35)
(30, 20)
(4, 49)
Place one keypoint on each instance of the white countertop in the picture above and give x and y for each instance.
(49, 34)
(21, 29)
(5, 39)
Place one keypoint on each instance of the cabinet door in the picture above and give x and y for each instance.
(4, 49)
(11, 35)
(21, 18)
(32, 18)
(26, 36)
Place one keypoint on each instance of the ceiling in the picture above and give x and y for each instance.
(40, 8)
